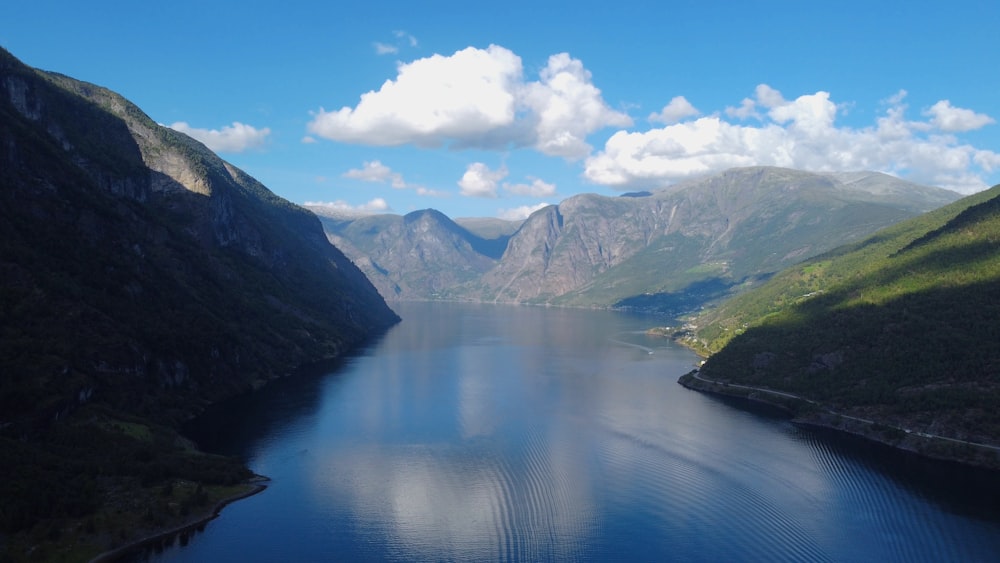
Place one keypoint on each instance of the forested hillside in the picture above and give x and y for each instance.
(901, 328)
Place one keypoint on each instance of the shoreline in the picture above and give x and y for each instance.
(257, 485)
(818, 416)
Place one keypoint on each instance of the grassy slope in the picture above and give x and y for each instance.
(900, 328)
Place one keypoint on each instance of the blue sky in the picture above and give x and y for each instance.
(495, 109)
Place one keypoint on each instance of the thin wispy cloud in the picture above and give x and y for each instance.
(403, 39)
(377, 205)
(375, 171)
(536, 188)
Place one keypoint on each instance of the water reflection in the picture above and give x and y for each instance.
(519, 434)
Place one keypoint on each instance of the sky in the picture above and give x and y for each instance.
(497, 109)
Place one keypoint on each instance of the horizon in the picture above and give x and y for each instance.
(495, 111)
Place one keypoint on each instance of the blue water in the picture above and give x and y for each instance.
(482, 433)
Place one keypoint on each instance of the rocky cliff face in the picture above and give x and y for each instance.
(738, 225)
(141, 271)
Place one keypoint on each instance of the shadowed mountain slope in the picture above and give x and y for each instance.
(141, 277)
(418, 256)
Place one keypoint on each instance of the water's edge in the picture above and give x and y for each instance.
(256, 485)
(982, 458)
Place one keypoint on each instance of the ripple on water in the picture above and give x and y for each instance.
(694, 500)
(877, 505)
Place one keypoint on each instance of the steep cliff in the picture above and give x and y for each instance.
(137, 263)
(141, 277)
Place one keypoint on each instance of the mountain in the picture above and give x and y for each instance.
(899, 329)
(725, 229)
(141, 277)
(416, 256)
(670, 250)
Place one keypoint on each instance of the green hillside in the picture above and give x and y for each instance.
(902, 328)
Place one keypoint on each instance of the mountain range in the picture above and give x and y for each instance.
(668, 250)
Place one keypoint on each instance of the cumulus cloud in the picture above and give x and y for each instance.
(385, 48)
(433, 99)
(480, 181)
(520, 213)
(951, 119)
(678, 109)
(375, 171)
(746, 110)
(537, 188)
(377, 205)
(237, 137)
(566, 107)
(477, 98)
(800, 133)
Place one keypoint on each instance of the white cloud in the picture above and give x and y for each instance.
(747, 109)
(375, 171)
(520, 213)
(377, 205)
(676, 110)
(427, 192)
(308, 140)
(433, 99)
(477, 98)
(237, 137)
(537, 188)
(385, 49)
(567, 107)
(948, 118)
(405, 37)
(768, 97)
(480, 181)
(799, 133)
(897, 98)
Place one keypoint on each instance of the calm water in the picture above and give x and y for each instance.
(524, 434)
